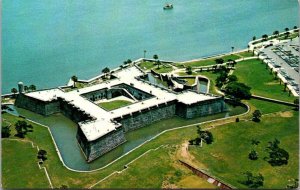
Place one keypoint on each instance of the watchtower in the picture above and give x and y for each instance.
(21, 87)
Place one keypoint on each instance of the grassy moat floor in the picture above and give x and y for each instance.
(158, 167)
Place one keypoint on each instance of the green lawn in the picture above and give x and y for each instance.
(227, 157)
(190, 81)
(254, 74)
(114, 104)
(163, 69)
(211, 61)
(161, 174)
(19, 166)
(246, 54)
(147, 65)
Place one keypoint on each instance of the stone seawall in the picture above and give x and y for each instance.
(147, 116)
(37, 106)
(199, 109)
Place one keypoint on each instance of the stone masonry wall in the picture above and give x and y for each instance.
(204, 108)
(105, 144)
(37, 106)
(146, 117)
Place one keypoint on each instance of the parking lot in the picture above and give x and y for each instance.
(284, 58)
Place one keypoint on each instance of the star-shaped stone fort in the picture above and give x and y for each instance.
(101, 130)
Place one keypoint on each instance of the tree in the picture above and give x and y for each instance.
(277, 155)
(221, 79)
(5, 132)
(42, 154)
(32, 87)
(188, 70)
(275, 75)
(264, 37)
(232, 78)
(74, 79)
(253, 181)
(296, 101)
(295, 27)
(105, 71)
(286, 29)
(253, 155)
(254, 38)
(205, 136)
(238, 90)
(14, 91)
(26, 88)
(155, 56)
(129, 61)
(285, 85)
(256, 116)
(276, 33)
(232, 48)
(219, 61)
(22, 128)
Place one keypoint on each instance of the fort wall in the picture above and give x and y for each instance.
(37, 106)
(147, 116)
(202, 108)
(105, 144)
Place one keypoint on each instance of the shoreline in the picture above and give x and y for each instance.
(135, 61)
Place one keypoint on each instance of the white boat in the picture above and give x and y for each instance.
(168, 6)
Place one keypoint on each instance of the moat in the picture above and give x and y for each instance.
(64, 132)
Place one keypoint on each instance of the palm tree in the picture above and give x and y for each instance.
(265, 37)
(158, 63)
(145, 54)
(74, 79)
(232, 49)
(155, 56)
(26, 88)
(254, 38)
(285, 85)
(14, 91)
(276, 33)
(42, 154)
(105, 71)
(286, 29)
(32, 87)
(219, 61)
(275, 75)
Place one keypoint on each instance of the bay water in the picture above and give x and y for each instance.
(46, 42)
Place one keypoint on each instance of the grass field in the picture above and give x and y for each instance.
(21, 158)
(227, 157)
(163, 69)
(211, 61)
(254, 74)
(146, 65)
(245, 54)
(114, 104)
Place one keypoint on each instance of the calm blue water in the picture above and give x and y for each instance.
(45, 42)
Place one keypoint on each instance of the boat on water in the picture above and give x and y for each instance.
(168, 6)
